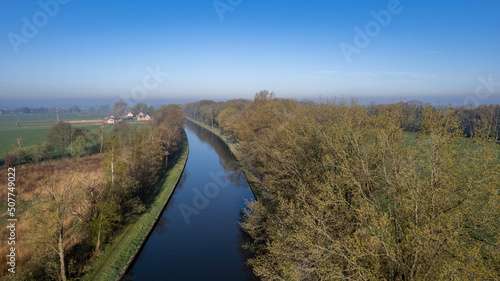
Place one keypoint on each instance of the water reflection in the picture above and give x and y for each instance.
(209, 247)
(226, 158)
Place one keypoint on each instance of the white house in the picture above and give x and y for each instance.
(142, 117)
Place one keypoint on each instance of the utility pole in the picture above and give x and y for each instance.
(57, 113)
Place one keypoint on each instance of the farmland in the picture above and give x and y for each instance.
(33, 128)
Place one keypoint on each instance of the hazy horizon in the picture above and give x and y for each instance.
(11, 104)
(140, 51)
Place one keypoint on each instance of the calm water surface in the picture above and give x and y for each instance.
(197, 237)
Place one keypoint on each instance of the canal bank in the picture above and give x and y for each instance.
(120, 253)
(250, 173)
(198, 235)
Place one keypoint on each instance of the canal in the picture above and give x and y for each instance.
(197, 236)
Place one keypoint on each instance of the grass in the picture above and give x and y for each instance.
(120, 253)
(31, 136)
(9, 132)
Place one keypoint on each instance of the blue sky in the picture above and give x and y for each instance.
(108, 49)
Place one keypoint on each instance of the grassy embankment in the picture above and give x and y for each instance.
(250, 174)
(120, 253)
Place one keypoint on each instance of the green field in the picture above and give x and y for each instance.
(9, 131)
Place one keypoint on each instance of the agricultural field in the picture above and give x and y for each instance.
(33, 128)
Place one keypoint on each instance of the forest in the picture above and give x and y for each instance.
(396, 191)
(71, 207)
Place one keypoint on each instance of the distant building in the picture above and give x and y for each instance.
(142, 117)
(128, 116)
(111, 121)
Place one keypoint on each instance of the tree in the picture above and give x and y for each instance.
(227, 120)
(75, 108)
(122, 135)
(119, 108)
(264, 96)
(122, 186)
(96, 208)
(38, 152)
(53, 218)
(78, 146)
(138, 108)
(347, 194)
(150, 111)
(488, 122)
(142, 107)
(145, 159)
(169, 120)
(60, 136)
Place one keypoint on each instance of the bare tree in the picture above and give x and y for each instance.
(119, 108)
(53, 217)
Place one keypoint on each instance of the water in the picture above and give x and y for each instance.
(197, 236)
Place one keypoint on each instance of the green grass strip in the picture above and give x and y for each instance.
(120, 253)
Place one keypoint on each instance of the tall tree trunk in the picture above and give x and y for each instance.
(102, 138)
(98, 244)
(61, 254)
(112, 168)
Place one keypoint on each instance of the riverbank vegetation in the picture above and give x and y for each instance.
(71, 209)
(122, 250)
(400, 191)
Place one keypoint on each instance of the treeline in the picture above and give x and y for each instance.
(480, 121)
(76, 209)
(142, 107)
(36, 110)
(347, 191)
(217, 114)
